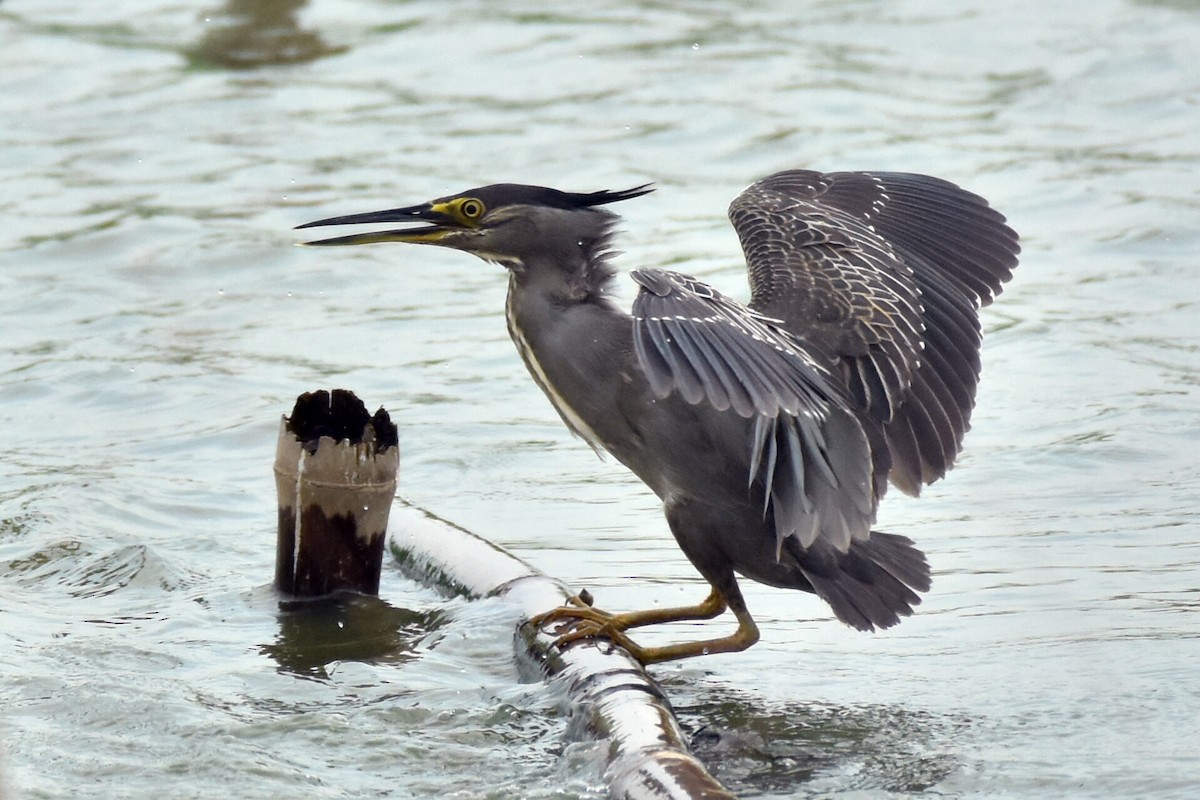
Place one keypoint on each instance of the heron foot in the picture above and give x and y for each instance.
(576, 622)
(579, 620)
(577, 612)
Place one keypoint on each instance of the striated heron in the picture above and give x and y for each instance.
(769, 430)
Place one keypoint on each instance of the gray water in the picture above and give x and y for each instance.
(155, 322)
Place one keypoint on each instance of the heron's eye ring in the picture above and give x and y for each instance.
(471, 208)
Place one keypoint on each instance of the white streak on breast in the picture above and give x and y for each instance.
(570, 417)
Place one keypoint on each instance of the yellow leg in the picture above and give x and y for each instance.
(580, 607)
(745, 635)
(585, 622)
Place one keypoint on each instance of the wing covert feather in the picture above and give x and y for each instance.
(886, 271)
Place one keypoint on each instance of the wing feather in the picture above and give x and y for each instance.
(682, 374)
(808, 455)
(707, 342)
(858, 354)
(886, 272)
(706, 368)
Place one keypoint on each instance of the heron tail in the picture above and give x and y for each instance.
(873, 584)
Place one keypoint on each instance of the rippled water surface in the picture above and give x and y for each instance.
(156, 321)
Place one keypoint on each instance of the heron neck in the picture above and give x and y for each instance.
(564, 339)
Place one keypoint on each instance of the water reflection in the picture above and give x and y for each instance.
(348, 627)
(754, 748)
(244, 34)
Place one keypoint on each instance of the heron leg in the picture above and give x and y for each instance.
(579, 607)
(589, 623)
(745, 635)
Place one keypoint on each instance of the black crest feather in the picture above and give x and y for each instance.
(509, 194)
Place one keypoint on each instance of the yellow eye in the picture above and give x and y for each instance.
(470, 208)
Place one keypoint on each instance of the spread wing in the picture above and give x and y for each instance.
(886, 272)
(807, 449)
(690, 337)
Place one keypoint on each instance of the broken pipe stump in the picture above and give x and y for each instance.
(335, 474)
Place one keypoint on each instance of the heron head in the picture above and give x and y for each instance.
(505, 222)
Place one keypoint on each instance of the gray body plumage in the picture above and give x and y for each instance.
(770, 430)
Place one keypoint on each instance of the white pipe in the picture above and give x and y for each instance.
(612, 696)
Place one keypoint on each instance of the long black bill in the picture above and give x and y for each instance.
(422, 213)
